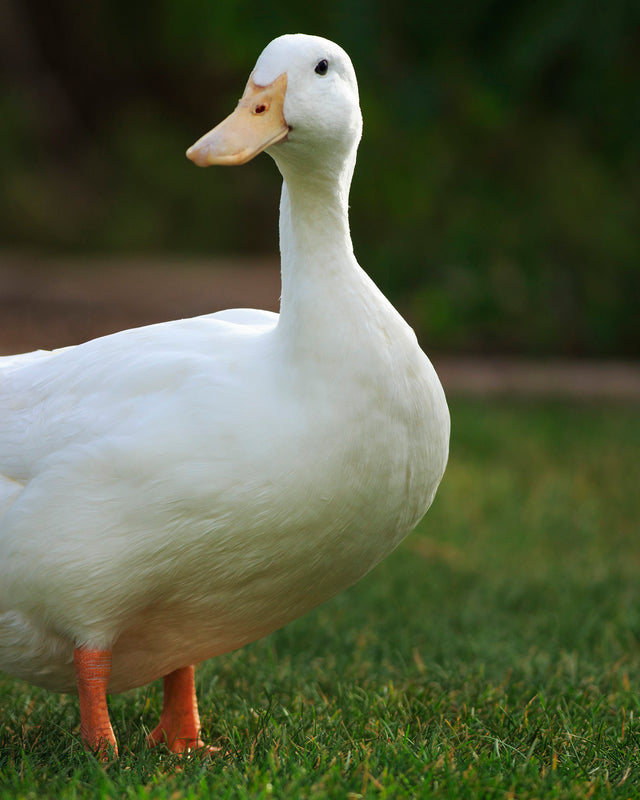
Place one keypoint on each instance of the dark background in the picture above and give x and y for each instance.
(497, 194)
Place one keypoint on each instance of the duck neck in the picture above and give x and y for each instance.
(316, 250)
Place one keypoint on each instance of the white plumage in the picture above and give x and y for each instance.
(175, 491)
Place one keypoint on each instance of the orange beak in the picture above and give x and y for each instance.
(257, 123)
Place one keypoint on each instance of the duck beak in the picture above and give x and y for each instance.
(257, 123)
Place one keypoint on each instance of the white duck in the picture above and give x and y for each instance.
(173, 492)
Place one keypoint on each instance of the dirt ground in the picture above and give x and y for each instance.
(48, 302)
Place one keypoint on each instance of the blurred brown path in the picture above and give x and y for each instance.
(52, 302)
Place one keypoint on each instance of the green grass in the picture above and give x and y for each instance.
(494, 655)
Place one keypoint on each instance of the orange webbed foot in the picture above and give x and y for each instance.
(179, 725)
(93, 669)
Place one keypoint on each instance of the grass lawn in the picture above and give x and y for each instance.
(495, 654)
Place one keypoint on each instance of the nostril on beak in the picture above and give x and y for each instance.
(260, 109)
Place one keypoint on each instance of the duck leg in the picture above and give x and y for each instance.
(93, 668)
(179, 725)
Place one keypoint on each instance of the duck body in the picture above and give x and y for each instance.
(173, 492)
(130, 494)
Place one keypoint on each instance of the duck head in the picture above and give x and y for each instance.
(300, 105)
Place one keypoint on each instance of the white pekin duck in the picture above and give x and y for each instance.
(173, 492)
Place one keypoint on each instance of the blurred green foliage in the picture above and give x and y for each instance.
(497, 193)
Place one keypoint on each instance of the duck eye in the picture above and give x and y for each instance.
(322, 67)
